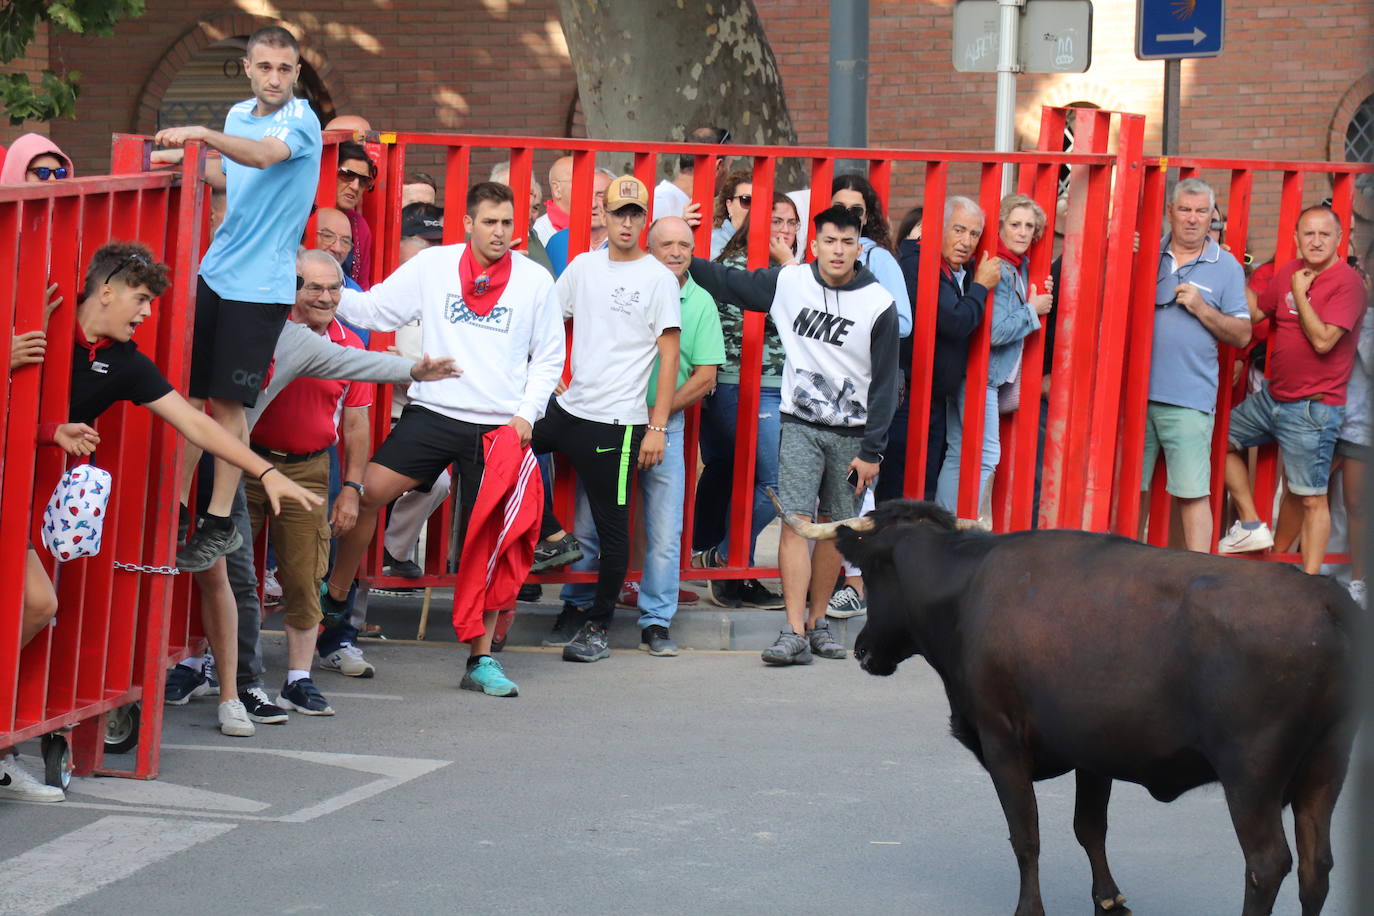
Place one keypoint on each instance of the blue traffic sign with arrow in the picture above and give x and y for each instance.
(1174, 29)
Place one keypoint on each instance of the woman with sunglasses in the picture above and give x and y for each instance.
(853, 191)
(711, 528)
(34, 157)
(356, 177)
(732, 206)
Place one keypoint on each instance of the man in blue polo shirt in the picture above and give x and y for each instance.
(1199, 299)
(271, 150)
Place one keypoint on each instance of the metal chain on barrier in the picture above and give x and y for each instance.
(155, 570)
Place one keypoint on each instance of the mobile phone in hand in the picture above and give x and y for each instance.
(853, 478)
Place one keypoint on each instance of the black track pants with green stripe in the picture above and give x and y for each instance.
(604, 456)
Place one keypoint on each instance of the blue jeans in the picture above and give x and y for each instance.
(947, 489)
(1305, 430)
(661, 491)
(719, 412)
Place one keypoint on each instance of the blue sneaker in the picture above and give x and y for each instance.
(489, 677)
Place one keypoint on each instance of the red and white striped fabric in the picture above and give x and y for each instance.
(498, 549)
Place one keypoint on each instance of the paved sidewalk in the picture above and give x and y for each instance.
(706, 783)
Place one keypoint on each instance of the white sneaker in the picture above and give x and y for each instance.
(1357, 592)
(1243, 540)
(21, 785)
(271, 589)
(348, 660)
(234, 721)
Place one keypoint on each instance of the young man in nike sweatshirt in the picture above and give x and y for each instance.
(839, 330)
(496, 313)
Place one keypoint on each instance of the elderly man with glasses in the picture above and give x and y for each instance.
(1199, 299)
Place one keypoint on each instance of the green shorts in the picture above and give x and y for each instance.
(1185, 435)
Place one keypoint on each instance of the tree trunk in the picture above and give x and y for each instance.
(654, 71)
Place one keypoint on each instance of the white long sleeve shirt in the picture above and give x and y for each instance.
(511, 358)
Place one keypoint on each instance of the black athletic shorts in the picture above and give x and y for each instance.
(423, 443)
(232, 345)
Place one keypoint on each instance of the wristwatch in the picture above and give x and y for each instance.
(355, 485)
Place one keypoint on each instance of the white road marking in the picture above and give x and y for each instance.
(159, 793)
(365, 696)
(83, 861)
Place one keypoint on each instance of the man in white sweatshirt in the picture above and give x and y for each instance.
(496, 313)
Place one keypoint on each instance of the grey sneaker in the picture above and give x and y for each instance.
(790, 649)
(846, 602)
(656, 641)
(548, 554)
(206, 545)
(565, 627)
(824, 643)
(589, 645)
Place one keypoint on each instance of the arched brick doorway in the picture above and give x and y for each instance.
(200, 77)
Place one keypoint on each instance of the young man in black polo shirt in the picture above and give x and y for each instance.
(107, 367)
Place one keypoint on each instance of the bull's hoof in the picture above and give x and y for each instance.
(1114, 905)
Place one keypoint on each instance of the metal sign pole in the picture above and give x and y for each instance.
(1008, 65)
(1173, 85)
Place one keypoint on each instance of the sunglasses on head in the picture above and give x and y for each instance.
(44, 173)
(744, 199)
(135, 258)
(858, 211)
(348, 176)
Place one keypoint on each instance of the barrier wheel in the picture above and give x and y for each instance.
(57, 761)
(121, 728)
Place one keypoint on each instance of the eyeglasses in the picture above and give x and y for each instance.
(744, 199)
(315, 289)
(781, 223)
(1182, 274)
(724, 137)
(137, 257)
(327, 238)
(348, 176)
(44, 173)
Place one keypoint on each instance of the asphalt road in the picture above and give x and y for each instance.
(705, 783)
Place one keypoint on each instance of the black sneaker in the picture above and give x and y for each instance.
(725, 592)
(846, 602)
(530, 593)
(753, 593)
(206, 546)
(789, 649)
(824, 643)
(333, 610)
(183, 524)
(656, 641)
(304, 696)
(406, 569)
(260, 708)
(565, 627)
(589, 645)
(548, 554)
(185, 684)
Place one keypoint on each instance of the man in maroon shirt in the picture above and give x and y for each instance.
(295, 433)
(1317, 302)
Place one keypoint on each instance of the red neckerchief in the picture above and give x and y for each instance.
(1006, 254)
(482, 287)
(557, 215)
(100, 344)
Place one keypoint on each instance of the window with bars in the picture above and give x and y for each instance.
(1359, 143)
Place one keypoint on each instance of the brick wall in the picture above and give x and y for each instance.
(1283, 89)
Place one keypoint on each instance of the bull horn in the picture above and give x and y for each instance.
(819, 531)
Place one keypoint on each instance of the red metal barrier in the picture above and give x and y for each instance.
(1301, 184)
(896, 174)
(108, 646)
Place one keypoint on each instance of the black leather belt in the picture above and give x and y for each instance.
(272, 454)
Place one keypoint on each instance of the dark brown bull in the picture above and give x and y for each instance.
(1065, 650)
